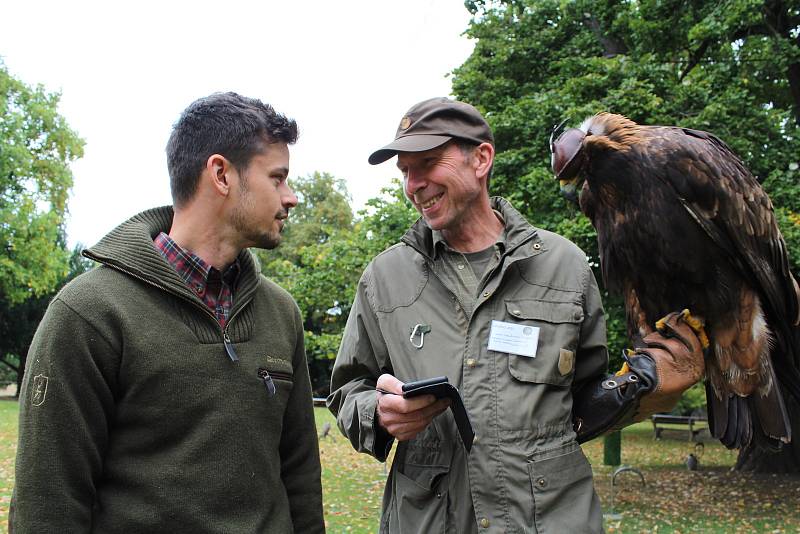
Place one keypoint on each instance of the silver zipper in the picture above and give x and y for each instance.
(268, 383)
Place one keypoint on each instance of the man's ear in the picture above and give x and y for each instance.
(483, 157)
(219, 173)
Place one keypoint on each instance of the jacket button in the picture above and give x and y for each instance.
(516, 313)
(438, 494)
(485, 523)
(541, 482)
(577, 315)
(470, 362)
(486, 294)
(460, 266)
(537, 246)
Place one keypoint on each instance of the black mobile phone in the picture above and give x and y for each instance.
(440, 387)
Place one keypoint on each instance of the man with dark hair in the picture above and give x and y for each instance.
(511, 314)
(167, 390)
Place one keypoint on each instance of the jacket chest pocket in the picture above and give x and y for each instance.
(275, 373)
(559, 333)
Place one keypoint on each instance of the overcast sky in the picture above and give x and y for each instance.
(346, 71)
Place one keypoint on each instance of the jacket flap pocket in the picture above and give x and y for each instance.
(559, 332)
(565, 478)
(537, 370)
(550, 312)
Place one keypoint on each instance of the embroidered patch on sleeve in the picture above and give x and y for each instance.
(39, 390)
(566, 359)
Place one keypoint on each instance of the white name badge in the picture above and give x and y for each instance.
(514, 338)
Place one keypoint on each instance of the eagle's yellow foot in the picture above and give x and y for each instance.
(695, 323)
(625, 369)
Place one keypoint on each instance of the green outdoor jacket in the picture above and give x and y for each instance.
(525, 473)
(133, 417)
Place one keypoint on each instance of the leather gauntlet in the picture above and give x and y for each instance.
(651, 380)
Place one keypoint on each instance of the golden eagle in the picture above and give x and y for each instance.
(681, 223)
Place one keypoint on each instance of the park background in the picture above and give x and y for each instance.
(75, 163)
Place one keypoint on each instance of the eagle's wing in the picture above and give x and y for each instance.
(727, 202)
(724, 198)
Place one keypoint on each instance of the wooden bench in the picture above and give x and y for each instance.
(694, 423)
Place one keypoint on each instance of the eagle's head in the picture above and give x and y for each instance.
(569, 153)
(567, 157)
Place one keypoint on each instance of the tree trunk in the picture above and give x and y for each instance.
(785, 461)
(793, 75)
(782, 24)
(20, 375)
(611, 46)
(21, 372)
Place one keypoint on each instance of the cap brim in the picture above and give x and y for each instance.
(411, 143)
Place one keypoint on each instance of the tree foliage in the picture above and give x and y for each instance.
(18, 321)
(323, 209)
(730, 67)
(706, 65)
(36, 146)
(323, 253)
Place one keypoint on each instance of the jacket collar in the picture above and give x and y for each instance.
(129, 248)
(517, 230)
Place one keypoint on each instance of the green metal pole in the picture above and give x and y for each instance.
(612, 448)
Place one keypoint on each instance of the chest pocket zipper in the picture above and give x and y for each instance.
(269, 383)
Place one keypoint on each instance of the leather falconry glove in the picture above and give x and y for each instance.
(651, 380)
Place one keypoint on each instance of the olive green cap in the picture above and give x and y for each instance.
(432, 123)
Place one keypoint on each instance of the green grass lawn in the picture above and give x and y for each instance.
(8, 449)
(673, 499)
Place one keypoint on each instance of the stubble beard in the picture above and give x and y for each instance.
(258, 238)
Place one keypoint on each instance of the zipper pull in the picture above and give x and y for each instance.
(270, 385)
(229, 348)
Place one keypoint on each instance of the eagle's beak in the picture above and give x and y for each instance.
(569, 189)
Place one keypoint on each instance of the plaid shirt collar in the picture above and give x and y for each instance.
(213, 287)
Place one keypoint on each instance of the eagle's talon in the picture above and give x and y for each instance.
(697, 325)
(624, 369)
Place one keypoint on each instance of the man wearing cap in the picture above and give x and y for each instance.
(512, 316)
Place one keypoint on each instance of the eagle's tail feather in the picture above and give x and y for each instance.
(717, 412)
(788, 367)
(736, 421)
(727, 419)
(773, 419)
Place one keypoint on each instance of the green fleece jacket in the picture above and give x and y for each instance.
(133, 417)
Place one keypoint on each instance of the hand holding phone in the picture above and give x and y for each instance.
(404, 418)
(440, 387)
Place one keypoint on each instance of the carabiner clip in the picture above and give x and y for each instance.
(420, 329)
